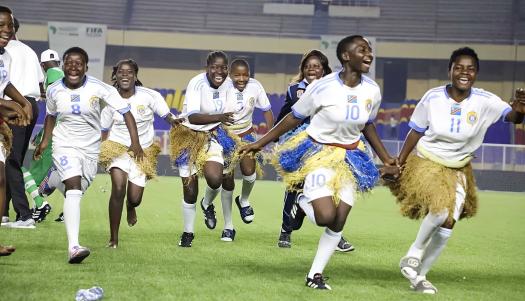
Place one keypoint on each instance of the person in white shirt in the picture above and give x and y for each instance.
(201, 144)
(74, 106)
(242, 98)
(128, 177)
(26, 75)
(448, 125)
(325, 155)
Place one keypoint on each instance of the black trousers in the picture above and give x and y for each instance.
(15, 190)
(289, 200)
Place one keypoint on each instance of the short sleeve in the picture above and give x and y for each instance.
(159, 105)
(419, 120)
(111, 97)
(263, 102)
(106, 118)
(376, 103)
(51, 104)
(495, 109)
(305, 106)
(192, 99)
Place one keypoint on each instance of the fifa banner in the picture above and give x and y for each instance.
(90, 37)
(329, 48)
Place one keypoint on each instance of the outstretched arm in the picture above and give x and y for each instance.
(410, 142)
(518, 108)
(268, 116)
(198, 118)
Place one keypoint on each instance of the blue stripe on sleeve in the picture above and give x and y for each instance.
(298, 115)
(413, 126)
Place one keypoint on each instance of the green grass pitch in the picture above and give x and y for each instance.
(484, 260)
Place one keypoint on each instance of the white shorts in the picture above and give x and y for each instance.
(316, 186)
(72, 164)
(128, 165)
(214, 153)
(460, 196)
(3, 152)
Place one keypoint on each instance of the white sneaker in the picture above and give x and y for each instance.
(5, 220)
(27, 224)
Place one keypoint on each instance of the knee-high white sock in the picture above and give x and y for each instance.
(188, 214)
(308, 209)
(327, 244)
(226, 200)
(435, 247)
(247, 186)
(428, 227)
(209, 196)
(72, 216)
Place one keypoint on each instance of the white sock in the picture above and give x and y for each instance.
(209, 196)
(226, 200)
(327, 244)
(428, 227)
(434, 249)
(247, 186)
(72, 216)
(308, 209)
(188, 213)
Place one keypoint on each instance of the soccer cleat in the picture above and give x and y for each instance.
(247, 213)
(27, 224)
(77, 254)
(60, 218)
(296, 214)
(410, 267)
(39, 214)
(186, 239)
(209, 216)
(228, 235)
(344, 246)
(318, 282)
(285, 240)
(5, 220)
(425, 287)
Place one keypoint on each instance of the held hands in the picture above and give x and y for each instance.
(391, 171)
(13, 113)
(174, 120)
(226, 118)
(28, 112)
(250, 149)
(135, 150)
(518, 103)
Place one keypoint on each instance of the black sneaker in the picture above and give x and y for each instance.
(186, 239)
(228, 235)
(318, 282)
(247, 213)
(39, 214)
(344, 246)
(209, 216)
(296, 214)
(285, 240)
(60, 218)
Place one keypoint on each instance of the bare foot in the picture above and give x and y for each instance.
(132, 216)
(112, 244)
(6, 250)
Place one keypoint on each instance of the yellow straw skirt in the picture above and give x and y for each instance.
(110, 150)
(6, 137)
(425, 186)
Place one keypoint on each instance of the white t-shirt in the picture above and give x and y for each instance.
(25, 73)
(5, 62)
(144, 103)
(455, 130)
(243, 104)
(78, 114)
(337, 112)
(204, 99)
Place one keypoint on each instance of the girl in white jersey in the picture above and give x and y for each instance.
(448, 125)
(201, 144)
(325, 156)
(17, 112)
(73, 104)
(128, 177)
(243, 97)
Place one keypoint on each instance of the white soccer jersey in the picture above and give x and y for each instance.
(204, 99)
(243, 104)
(455, 130)
(337, 112)
(144, 103)
(78, 114)
(5, 62)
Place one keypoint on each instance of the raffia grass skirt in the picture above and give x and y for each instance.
(109, 150)
(425, 186)
(6, 137)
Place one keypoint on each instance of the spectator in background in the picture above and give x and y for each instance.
(26, 75)
(50, 62)
(393, 127)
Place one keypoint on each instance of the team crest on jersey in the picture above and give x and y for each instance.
(299, 92)
(215, 94)
(351, 98)
(472, 117)
(141, 110)
(94, 102)
(251, 101)
(455, 110)
(75, 98)
(368, 105)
